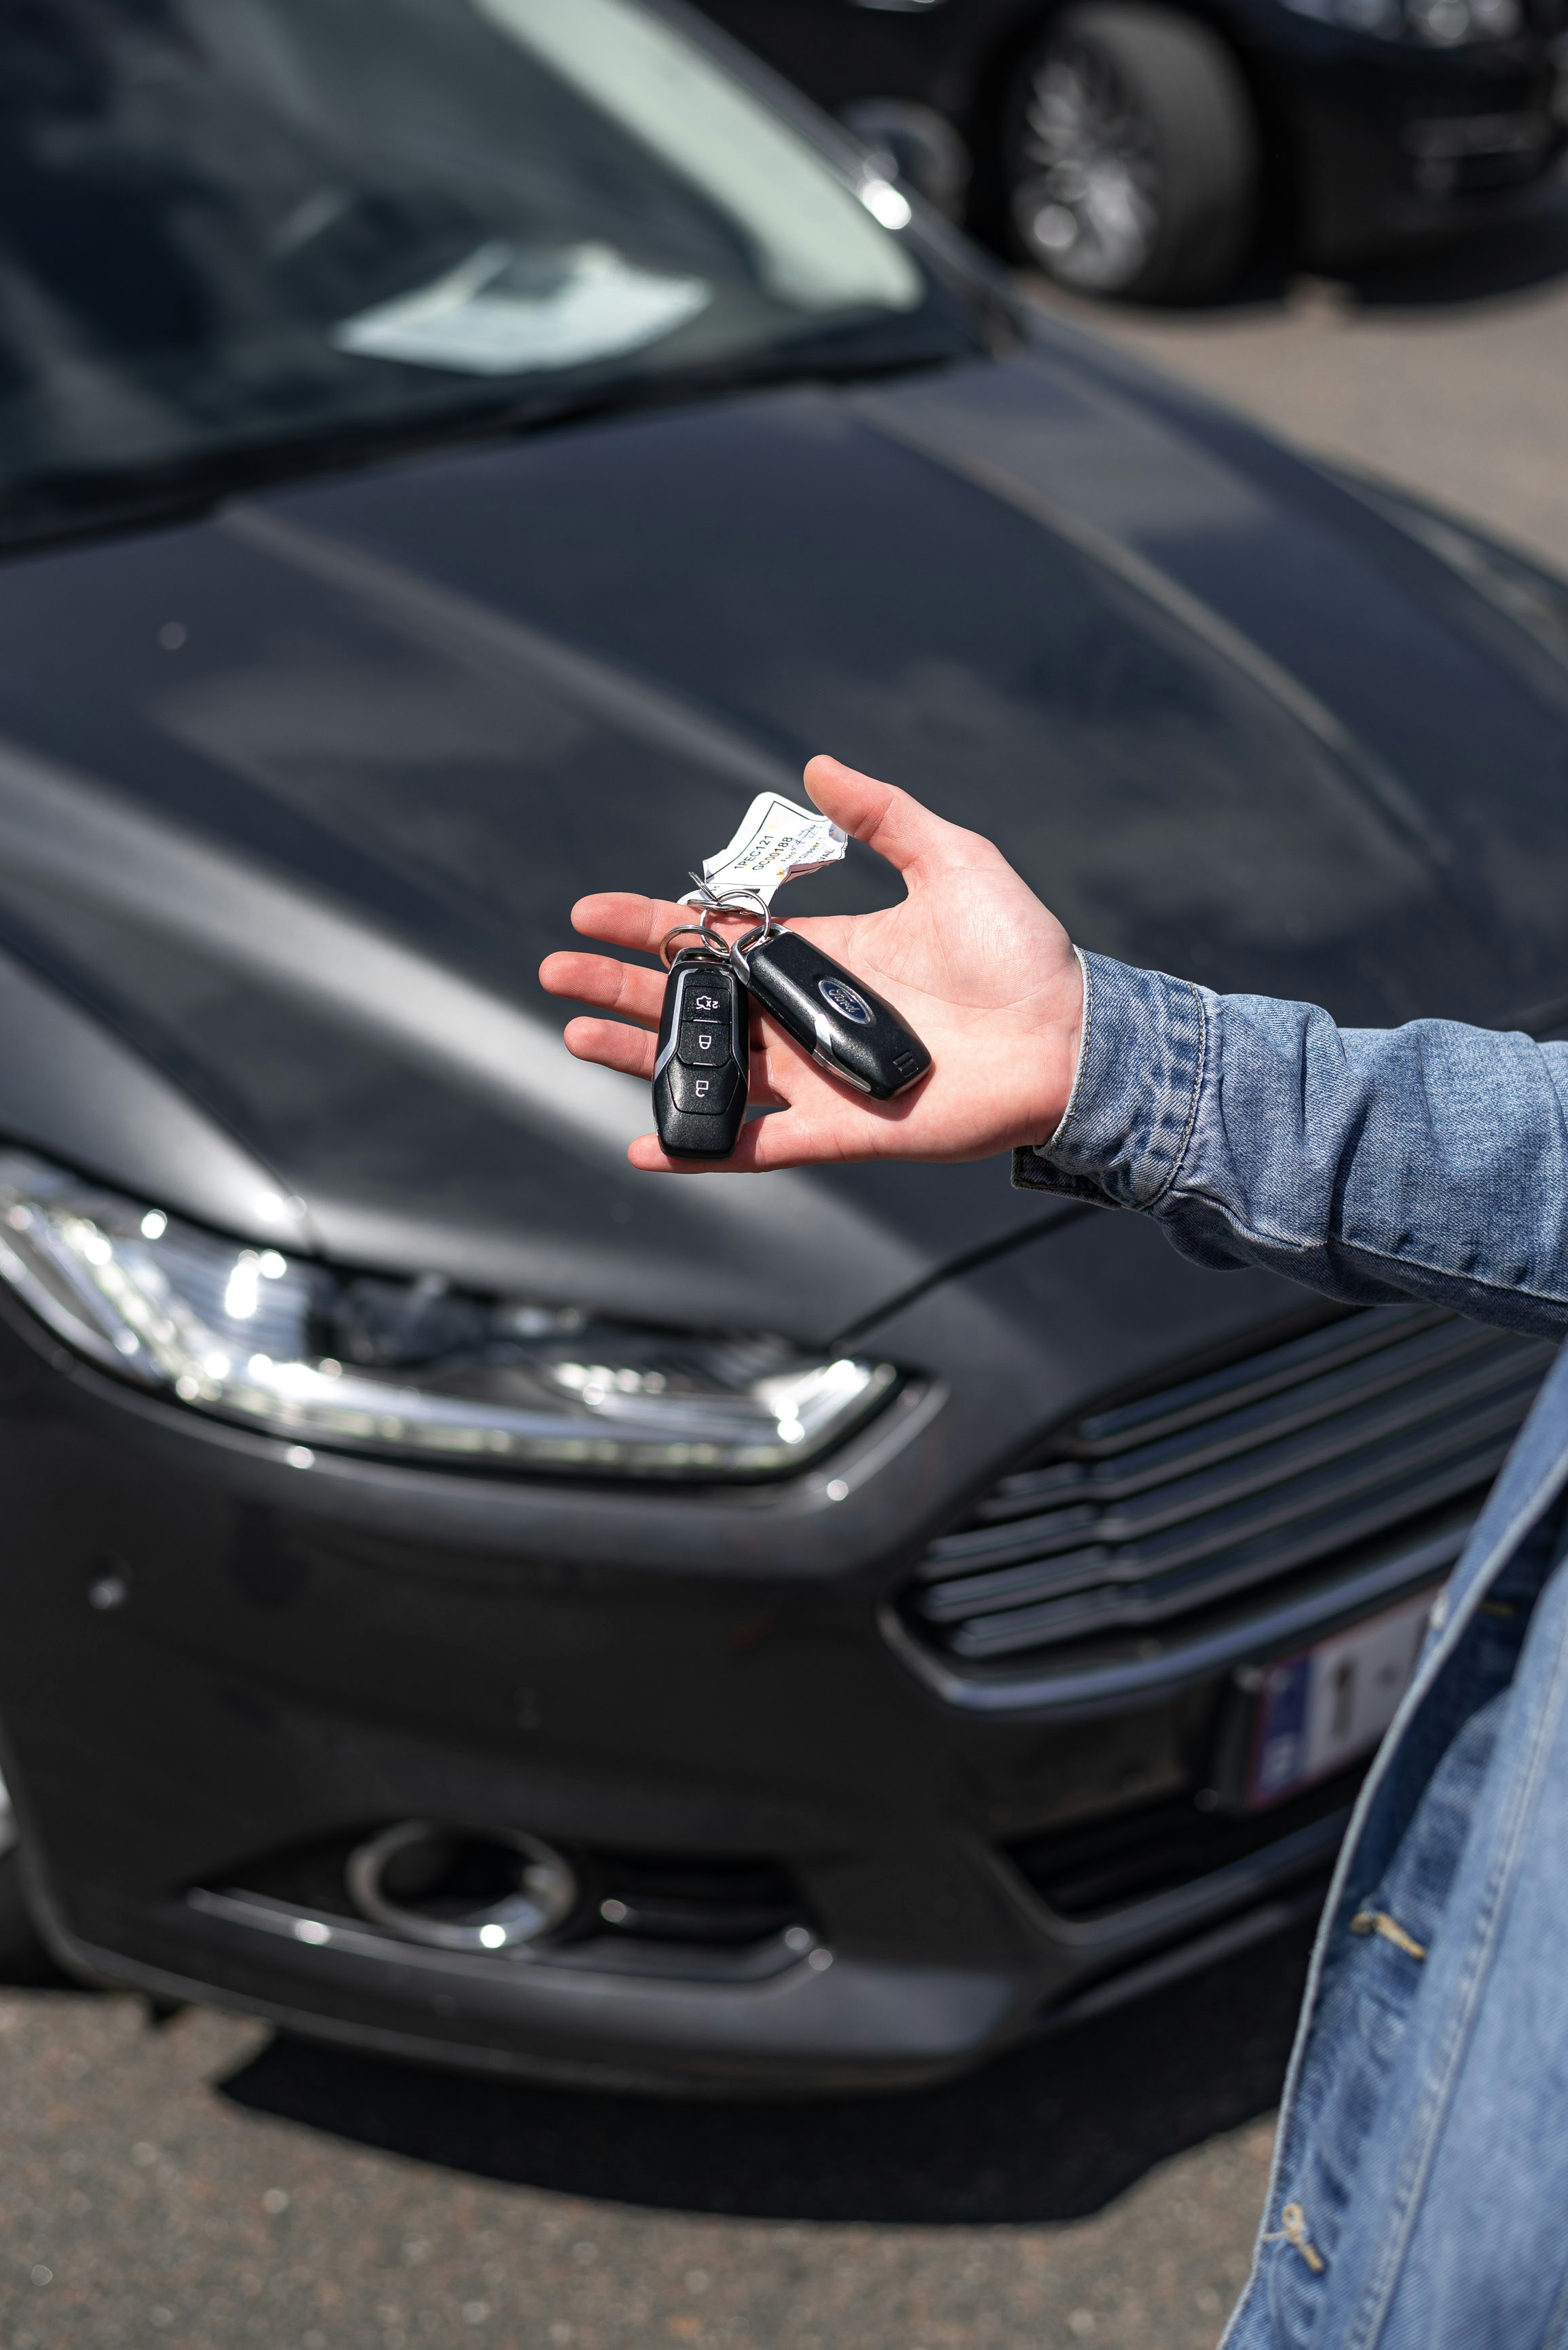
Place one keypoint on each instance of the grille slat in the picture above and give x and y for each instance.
(1274, 1370)
(1219, 1483)
(1403, 1427)
(1188, 1536)
(1468, 1361)
(1104, 1608)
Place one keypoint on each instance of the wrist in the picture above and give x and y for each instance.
(1058, 1061)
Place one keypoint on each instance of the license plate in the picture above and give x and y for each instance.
(1320, 1710)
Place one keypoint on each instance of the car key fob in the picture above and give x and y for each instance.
(846, 1028)
(700, 1074)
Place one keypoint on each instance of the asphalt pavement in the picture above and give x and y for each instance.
(1444, 370)
(199, 2183)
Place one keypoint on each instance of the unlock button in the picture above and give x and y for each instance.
(705, 1091)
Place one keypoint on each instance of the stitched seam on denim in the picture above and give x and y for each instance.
(1037, 1174)
(1377, 1256)
(1519, 1526)
(1193, 1099)
(1066, 1118)
(1138, 1149)
(1405, 2201)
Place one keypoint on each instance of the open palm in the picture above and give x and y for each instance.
(972, 961)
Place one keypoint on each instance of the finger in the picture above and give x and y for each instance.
(613, 1046)
(765, 1144)
(750, 1156)
(889, 821)
(619, 919)
(624, 987)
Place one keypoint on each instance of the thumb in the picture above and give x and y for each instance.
(887, 819)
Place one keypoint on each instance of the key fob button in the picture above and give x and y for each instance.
(701, 1089)
(706, 1092)
(704, 1044)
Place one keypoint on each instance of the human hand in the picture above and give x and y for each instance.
(972, 961)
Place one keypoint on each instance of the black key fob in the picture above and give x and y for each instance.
(699, 1075)
(843, 1025)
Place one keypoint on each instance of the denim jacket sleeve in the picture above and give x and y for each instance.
(1427, 1162)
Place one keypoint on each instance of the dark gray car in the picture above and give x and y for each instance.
(460, 1597)
(1151, 148)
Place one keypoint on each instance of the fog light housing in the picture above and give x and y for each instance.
(483, 1890)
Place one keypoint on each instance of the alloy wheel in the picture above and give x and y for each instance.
(1087, 192)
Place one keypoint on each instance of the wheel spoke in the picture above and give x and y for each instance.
(1092, 205)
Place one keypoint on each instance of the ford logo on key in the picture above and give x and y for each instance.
(844, 999)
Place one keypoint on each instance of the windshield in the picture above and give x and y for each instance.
(235, 231)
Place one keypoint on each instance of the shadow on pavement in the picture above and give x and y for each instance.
(1053, 2131)
(1510, 255)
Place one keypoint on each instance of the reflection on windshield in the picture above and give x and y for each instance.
(502, 311)
(228, 225)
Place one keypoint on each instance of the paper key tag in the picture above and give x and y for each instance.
(777, 842)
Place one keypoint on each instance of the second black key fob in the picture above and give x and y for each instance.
(844, 1025)
(700, 1074)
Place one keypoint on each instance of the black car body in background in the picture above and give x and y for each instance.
(1149, 150)
(458, 1596)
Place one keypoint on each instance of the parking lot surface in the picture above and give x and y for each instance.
(1444, 372)
(201, 2184)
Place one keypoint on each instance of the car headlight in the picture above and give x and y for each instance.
(367, 1364)
(1444, 23)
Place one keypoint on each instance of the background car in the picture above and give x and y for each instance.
(1149, 151)
(462, 1597)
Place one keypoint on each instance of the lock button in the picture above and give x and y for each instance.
(704, 1043)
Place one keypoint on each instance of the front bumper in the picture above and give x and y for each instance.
(216, 1668)
(1392, 144)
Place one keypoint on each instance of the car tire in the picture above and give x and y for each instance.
(1131, 154)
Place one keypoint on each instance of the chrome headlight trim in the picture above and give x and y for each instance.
(242, 1334)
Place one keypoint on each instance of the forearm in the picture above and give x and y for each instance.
(1426, 1161)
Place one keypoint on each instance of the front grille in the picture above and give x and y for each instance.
(1135, 1519)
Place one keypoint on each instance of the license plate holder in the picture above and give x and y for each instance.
(1311, 1714)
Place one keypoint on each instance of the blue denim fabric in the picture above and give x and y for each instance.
(1421, 2179)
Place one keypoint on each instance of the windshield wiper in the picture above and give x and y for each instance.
(82, 502)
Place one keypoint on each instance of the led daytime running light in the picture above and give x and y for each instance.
(236, 1332)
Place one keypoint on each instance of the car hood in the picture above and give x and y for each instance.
(293, 798)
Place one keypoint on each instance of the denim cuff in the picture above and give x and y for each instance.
(1140, 1071)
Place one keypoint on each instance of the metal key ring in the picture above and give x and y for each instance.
(720, 901)
(723, 906)
(726, 901)
(758, 933)
(688, 930)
